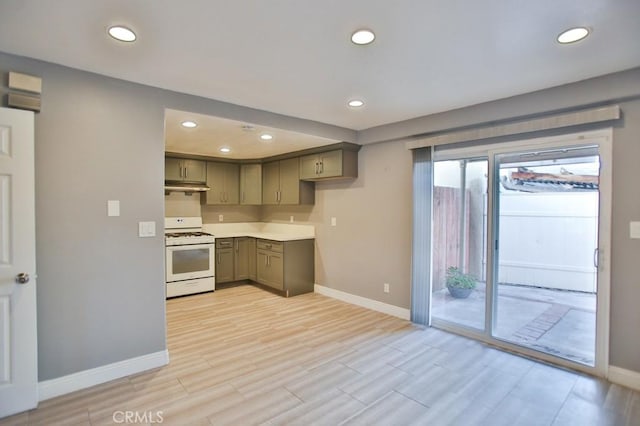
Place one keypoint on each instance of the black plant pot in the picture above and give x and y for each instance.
(459, 293)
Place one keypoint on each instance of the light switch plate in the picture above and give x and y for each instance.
(634, 230)
(334, 221)
(113, 208)
(146, 229)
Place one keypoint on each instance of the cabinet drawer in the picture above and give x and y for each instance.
(276, 246)
(222, 243)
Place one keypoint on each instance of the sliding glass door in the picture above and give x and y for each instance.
(518, 233)
(546, 217)
(459, 241)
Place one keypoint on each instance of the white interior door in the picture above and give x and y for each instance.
(18, 328)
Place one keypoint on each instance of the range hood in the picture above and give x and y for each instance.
(185, 187)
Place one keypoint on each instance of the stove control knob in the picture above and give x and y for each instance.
(22, 278)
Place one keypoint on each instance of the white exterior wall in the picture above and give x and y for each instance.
(549, 239)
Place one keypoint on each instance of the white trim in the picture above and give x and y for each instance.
(374, 305)
(624, 377)
(84, 379)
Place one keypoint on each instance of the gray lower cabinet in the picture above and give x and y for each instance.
(224, 260)
(244, 258)
(235, 259)
(270, 265)
(287, 266)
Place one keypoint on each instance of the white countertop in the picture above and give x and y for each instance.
(264, 230)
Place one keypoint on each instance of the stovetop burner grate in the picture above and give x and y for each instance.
(186, 234)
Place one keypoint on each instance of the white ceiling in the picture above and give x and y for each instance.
(295, 57)
(213, 133)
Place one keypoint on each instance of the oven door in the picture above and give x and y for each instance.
(190, 261)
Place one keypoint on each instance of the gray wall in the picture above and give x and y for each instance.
(100, 287)
(372, 241)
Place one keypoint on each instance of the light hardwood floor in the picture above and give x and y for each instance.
(243, 356)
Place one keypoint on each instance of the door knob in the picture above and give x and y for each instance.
(22, 278)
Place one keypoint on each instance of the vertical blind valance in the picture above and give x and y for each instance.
(576, 118)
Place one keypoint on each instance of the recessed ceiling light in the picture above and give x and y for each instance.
(225, 149)
(572, 35)
(356, 103)
(266, 137)
(122, 33)
(189, 124)
(363, 36)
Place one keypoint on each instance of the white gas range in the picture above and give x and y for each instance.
(190, 257)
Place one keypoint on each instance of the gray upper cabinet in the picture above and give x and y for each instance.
(184, 170)
(271, 182)
(335, 164)
(224, 181)
(251, 184)
(281, 184)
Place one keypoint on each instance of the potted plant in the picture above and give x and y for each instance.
(459, 284)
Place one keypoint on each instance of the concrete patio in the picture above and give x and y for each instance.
(557, 322)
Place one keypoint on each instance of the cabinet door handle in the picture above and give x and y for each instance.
(321, 167)
(186, 172)
(316, 167)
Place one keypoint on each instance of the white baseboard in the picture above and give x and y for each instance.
(621, 376)
(84, 379)
(374, 305)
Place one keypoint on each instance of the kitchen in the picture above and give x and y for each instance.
(99, 301)
(246, 167)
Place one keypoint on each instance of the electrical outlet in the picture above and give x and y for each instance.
(386, 287)
(220, 218)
